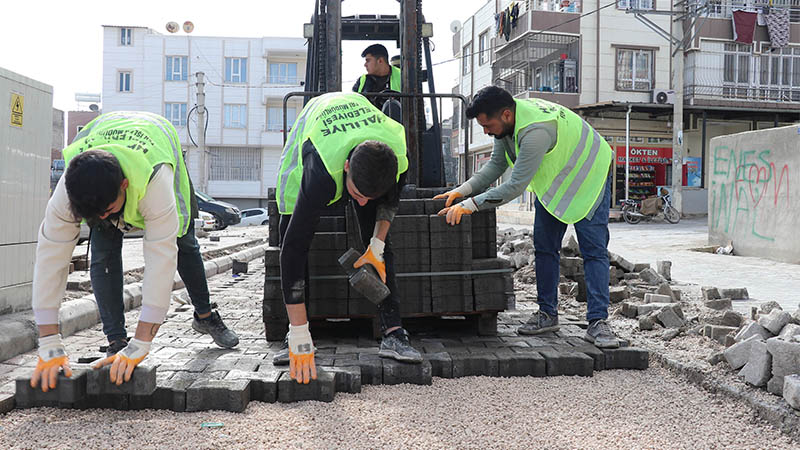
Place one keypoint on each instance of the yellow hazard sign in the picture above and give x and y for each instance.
(17, 106)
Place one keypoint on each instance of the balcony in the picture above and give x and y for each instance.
(723, 9)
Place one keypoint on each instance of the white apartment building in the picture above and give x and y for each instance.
(245, 83)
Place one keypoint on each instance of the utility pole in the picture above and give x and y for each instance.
(677, 110)
(201, 132)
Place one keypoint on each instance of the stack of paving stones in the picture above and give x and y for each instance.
(423, 243)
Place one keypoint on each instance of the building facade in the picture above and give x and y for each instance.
(245, 80)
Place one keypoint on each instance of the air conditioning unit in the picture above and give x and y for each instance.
(663, 96)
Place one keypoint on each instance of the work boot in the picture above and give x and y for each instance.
(540, 322)
(116, 346)
(214, 326)
(281, 358)
(395, 345)
(601, 335)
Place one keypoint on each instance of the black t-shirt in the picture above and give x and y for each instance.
(375, 84)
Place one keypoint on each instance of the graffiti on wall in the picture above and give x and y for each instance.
(747, 188)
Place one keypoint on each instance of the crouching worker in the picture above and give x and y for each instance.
(125, 171)
(341, 145)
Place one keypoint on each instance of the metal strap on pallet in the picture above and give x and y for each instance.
(411, 274)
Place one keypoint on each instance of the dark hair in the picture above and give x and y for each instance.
(92, 179)
(491, 100)
(373, 168)
(376, 50)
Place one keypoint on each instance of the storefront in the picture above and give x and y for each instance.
(650, 167)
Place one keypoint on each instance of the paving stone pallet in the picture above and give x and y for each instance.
(229, 380)
(441, 270)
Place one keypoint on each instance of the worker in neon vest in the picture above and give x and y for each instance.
(125, 171)
(341, 146)
(555, 154)
(381, 76)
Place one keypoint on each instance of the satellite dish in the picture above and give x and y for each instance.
(94, 108)
(455, 26)
(188, 26)
(173, 27)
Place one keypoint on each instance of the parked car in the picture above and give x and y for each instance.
(209, 222)
(225, 213)
(84, 236)
(253, 217)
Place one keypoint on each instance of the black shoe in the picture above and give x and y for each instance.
(214, 326)
(116, 346)
(281, 358)
(540, 322)
(396, 345)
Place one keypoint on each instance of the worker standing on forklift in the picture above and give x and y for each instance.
(555, 154)
(340, 146)
(381, 76)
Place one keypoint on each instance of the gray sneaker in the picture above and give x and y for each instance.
(395, 345)
(601, 335)
(281, 358)
(540, 322)
(214, 326)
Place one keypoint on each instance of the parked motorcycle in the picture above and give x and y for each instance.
(632, 210)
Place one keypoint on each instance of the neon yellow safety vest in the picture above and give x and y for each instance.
(573, 174)
(139, 141)
(335, 123)
(395, 80)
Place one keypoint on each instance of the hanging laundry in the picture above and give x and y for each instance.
(507, 25)
(514, 14)
(744, 26)
(497, 22)
(502, 23)
(778, 27)
(762, 14)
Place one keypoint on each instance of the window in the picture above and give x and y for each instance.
(483, 47)
(235, 116)
(465, 57)
(635, 4)
(236, 70)
(125, 36)
(175, 113)
(177, 68)
(283, 73)
(235, 164)
(780, 73)
(737, 62)
(275, 118)
(634, 69)
(125, 82)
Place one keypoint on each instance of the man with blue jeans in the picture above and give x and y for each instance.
(554, 153)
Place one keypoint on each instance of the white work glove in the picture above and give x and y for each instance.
(301, 354)
(123, 363)
(374, 256)
(455, 212)
(461, 191)
(52, 358)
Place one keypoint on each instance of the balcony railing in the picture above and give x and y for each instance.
(723, 9)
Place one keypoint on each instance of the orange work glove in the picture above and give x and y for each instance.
(301, 354)
(461, 191)
(455, 212)
(374, 256)
(123, 363)
(52, 358)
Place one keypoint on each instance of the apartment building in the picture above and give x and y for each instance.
(609, 66)
(245, 79)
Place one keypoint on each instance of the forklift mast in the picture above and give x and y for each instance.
(324, 73)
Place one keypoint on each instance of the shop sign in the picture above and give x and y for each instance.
(645, 155)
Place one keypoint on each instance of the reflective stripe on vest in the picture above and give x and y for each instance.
(395, 80)
(572, 175)
(335, 123)
(93, 131)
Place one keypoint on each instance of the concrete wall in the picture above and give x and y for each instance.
(24, 184)
(754, 193)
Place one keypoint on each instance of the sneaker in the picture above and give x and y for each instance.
(601, 335)
(116, 346)
(281, 358)
(395, 345)
(540, 322)
(214, 326)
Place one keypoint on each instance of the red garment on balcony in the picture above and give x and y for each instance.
(744, 26)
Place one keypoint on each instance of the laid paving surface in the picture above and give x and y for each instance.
(193, 374)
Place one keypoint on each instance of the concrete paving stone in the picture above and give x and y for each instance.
(120, 402)
(710, 293)
(371, 368)
(68, 392)
(322, 389)
(395, 372)
(473, 364)
(626, 358)
(791, 390)
(752, 329)
(213, 374)
(348, 379)
(521, 364)
(664, 268)
(767, 307)
(326, 361)
(719, 304)
(618, 293)
(563, 363)
(597, 355)
(775, 320)
(718, 332)
(789, 331)
(758, 369)
(738, 354)
(638, 267)
(665, 289)
(441, 364)
(775, 385)
(171, 395)
(142, 382)
(7, 402)
(225, 395)
(658, 298)
(620, 262)
(669, 318)
(647, 322)
(785, 358)
(263, 383)
(629, 310)
(651, 277)
(648, 307)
